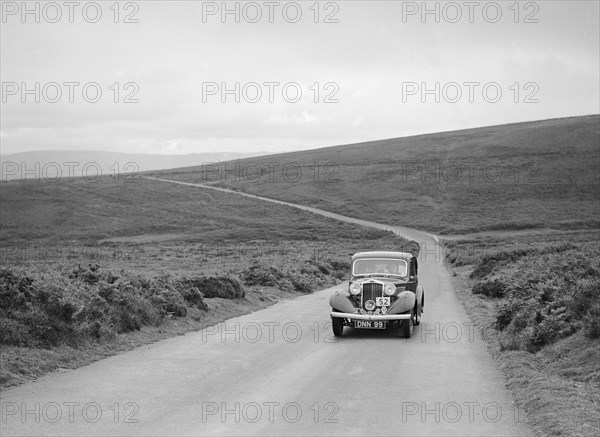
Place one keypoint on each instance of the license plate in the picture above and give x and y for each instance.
(382, 301)
(369, 324)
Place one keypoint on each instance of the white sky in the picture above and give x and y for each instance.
(369, 53)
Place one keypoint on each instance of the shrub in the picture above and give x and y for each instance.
(548, 328)
(585, 295)
(344, 266)
(14, 290)
(89, 275)
(193, 296)
(224, 287)
(49, 307)
(13, 332)
(494, 288)
(591, 321)
(482, 270)
(490, 262)
(257, 274)
(505, 315)
(509, 341)
(301, 285)
(323, 269)
(551, 293)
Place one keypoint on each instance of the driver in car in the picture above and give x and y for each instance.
(383, 268)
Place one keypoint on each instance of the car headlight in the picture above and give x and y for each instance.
(389, 289)
(370, 305)
(355, 288)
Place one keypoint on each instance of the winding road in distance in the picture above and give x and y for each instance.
(279, 371)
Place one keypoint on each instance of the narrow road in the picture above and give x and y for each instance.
(279, 371)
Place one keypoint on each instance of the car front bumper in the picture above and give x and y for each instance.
(379, 317)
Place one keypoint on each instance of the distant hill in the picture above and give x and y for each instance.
(49, 165)
(516, 176)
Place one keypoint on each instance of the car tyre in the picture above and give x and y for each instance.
(407, 326)
(417, 318)
(338, 326)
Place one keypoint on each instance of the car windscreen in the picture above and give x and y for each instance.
(373, 266)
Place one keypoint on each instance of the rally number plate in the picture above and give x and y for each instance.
(382, 301)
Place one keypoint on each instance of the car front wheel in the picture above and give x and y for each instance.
(338, 326)
(417, 317)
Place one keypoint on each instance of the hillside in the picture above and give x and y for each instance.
(517, 176)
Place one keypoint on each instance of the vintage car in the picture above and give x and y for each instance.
(383, 291)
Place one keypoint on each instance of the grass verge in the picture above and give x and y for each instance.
(535, 300)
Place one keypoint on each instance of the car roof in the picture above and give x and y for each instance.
(383, 254)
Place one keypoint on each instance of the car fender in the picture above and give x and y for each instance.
(341, 302)
(404, 303)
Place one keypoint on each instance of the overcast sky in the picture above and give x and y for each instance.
(370, 63)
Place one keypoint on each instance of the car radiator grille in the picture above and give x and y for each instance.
(370, 292)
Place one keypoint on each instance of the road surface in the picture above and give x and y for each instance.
(279, 371)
